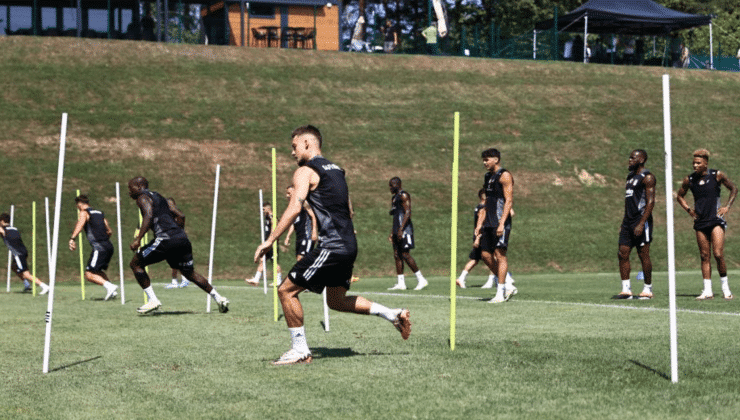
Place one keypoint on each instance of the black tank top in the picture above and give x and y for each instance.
(399, 213)
(706, 191)
(495, 199)
(635, 198)
(14, 242)
(330, 204)
(163, 221)
(95, 227)
(302, 226)
(476, 214)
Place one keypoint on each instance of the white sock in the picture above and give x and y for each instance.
(509, 279)
(419, 276)
(257, 276)
(500, 289)
(401, 280)
(725, 284)
(108, 285)
(183, 278)
(174, 280)
(298, 338)
(44, 286)
(708, 286)
(626, 286)
(150, 293)
(463, 275)
(492, 278)
(279, 278)
(381, 311)
(215, 295)
(648, 287)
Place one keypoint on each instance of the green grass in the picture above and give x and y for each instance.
(561, 349)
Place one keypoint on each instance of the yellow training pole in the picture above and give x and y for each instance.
(141, 220)
(33, 247)
(82, 263)
(453, 233)
(274, 244)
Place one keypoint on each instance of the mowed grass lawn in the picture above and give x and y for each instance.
(561, 349)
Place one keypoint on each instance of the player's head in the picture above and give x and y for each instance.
(638, 157)
(482, 194)
(5, 219)
(136, 186)
(701, 160)
(306, 143)
(82, 200)
(395, 184)
(267, 208)
(491, 157)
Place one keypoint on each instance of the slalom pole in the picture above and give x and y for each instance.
(262, 236)
(82, 259)
(48, 235)
(10, 253)
(55, 247)
(213, 237)
(120, 245)
(669, 219)
(453, 230)
(33, 247)
(326, 311)
(274, 244)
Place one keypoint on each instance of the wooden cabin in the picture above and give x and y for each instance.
(308, 24)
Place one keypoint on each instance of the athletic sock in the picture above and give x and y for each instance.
(383, 312)
(150, 293)
(401, 280)
(279, 278)
(509, 279)
(626, 286)
(298, 338)
(419, 276)
(708, 286)
(108, 285)
(647, 287)
(500, 289)
(725, 285)
(463, 275)
(215, 295)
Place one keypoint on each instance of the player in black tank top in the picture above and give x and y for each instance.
(329, 266)
(637, 224)
(402, 235)
(98, 232)
(709, 218)
(12, 238)
(170, 244)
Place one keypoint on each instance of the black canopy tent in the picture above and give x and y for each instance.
(628, 17)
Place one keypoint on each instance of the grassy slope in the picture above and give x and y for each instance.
(171, 113)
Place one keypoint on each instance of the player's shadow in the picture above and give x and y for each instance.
(75, 363)
(324, 352)
(646, 367)
(167, 313)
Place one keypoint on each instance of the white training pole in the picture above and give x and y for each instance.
(585, 38)
(326, 311)
(120, 245)
(48, 235)
(10, 254)
(711, 47)
(534, 45)
(213, 236)
(262, 237)
(55, 243)
(669, 219)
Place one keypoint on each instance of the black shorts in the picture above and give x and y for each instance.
(490, 242)
(19, 263)
(323, 268)
(627, 235)
(177, 251)
(707, 226)
(100, 258)
(303, 247)
(405, 244)
(475, 254)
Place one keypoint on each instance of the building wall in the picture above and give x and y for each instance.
(327, 24)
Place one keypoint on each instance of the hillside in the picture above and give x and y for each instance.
(172, 112)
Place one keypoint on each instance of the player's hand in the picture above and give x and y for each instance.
(390, 238)
(722, 211)
(261, 250)
(476, 242)
(287, 242)
(692, 213)
(639, 229)
(399, 235)
(135, 244)
(500, 230)
(72, 245)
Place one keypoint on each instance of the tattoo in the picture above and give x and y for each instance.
(302, 201)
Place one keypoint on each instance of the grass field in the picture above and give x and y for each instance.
(561, 349)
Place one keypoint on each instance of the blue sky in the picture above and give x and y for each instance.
(20, 17)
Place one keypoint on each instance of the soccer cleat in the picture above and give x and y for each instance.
(45, 290)
(150, 306)
(355, 279)
(510, 291)
(403, 323)
(172, 285)
(460, 283)
(645, 294)
(27, 288)
(497, 299)
(705, 296)
(252, 281)
(223, 305)
(728, 295)
(422, 284)
(488, 284)
(624, 294)
(185, 283)
(292, 357)
(398, 287)
(111, 293)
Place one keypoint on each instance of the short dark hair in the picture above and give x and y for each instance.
(702, 153)
(642, 152)
(395, 180)
(5, 217)
(307, 129)
(490, 153)
(82, 198)
(481, 192)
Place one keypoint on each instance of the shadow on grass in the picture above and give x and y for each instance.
(75, 363)
(323, 352)
(661, 374)
(160, 313)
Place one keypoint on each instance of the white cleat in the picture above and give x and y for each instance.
(223, 305)
(292, 357)
(728, 295)
(497, 299)
(112, 292)
(185, 283)
(46, 289)
(705, 296)
(510, 291)
(252, 282)
(398, 287)
(172, 285)
(150, 306)
(460, 283)
(488, 285)
(422, 284)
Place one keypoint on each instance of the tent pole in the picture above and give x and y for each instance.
(585, 38)
(711, 47)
